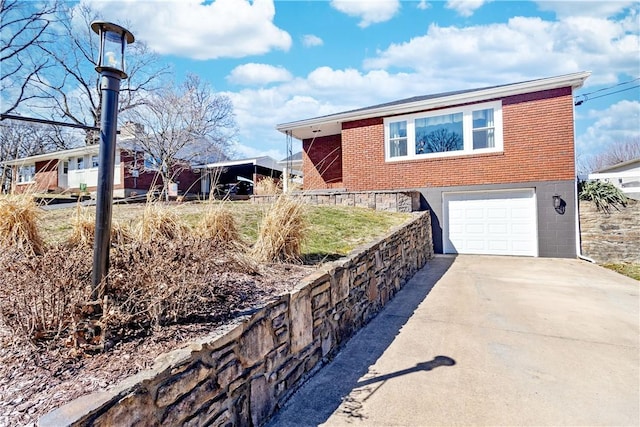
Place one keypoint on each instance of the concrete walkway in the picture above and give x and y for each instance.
(479, 340)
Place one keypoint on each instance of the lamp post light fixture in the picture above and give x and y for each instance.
(111, 66)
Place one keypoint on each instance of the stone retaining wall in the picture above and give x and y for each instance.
(612, 237)
(392, 201)
(241, 376)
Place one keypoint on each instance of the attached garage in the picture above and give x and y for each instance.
(490, 222)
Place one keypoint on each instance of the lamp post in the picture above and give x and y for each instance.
(113, 39)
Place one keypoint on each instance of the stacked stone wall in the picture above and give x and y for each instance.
(611, 237)
(242, 376)
(390, 201)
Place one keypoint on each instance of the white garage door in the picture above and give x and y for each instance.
(493, 223)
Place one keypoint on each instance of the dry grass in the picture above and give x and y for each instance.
(83, 229)
(159, 222)
(281, 232)
(18, 224)
(218, 224)
(268, 187)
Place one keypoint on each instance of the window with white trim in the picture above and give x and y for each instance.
(453, 131)
(26, 173)
(80, 163)
(94, 161)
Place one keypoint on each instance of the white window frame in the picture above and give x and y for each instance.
(26, 174)
(94, 161)
(81, 163)
(467, 129)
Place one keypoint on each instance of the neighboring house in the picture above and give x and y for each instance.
(76, 171)
(229, 175)
(488, 162)
(625, 176)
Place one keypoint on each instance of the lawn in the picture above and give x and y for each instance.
(628, 269)
(333, 231)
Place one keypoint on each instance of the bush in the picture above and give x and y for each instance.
(18, 224)
(281, 233)
(604, 194)
(268, 187)
(219, 225)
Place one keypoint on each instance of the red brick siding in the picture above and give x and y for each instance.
(322, 162)
(188, 181)
(538, 146)
(46, 175)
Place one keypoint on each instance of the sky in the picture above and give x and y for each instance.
(282, 61)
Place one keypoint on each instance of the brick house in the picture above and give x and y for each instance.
(76, 170)
(487, 162)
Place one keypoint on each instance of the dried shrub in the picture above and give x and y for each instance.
(84, 229)
(159, 223)
(268, 187)
(18, 224)
(38, 293)
(219, 225)
(169, 281)
(281, 232)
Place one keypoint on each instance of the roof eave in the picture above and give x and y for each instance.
(575, 80)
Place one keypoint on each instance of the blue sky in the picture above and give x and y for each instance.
(281, 61)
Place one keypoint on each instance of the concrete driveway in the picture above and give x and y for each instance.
(479, 340)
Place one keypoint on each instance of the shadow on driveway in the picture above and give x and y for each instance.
(322, 394)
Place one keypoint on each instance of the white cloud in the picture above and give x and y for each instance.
(567, 8)
(369, 11)
(465, 8)
(520, 49)
(309, 40)
(258, 74)
(423, 5)
(618, 123)
(192, 29)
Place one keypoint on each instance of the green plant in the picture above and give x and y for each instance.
(604, 194)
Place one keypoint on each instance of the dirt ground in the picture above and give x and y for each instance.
(34, 379)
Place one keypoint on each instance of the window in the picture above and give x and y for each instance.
(483, 129)
(65, 167)
(453, 131)
(398, 139)
(94, 161)
(151, 163)
(80, 163)
(439, 133)
(26, 173)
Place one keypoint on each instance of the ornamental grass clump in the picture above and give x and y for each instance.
(268, 187)
(158, 222)
(18, 224)
(218, 224)
(281, 232)
(83, 230)
(604, 194)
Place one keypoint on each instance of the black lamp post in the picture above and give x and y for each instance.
(113, 39)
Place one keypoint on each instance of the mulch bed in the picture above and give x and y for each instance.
(37, 376)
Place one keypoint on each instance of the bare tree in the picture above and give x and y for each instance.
(73, 84)
(18, 139)
(184, 124)
(24, 29)
(615, 153)
(438, 141)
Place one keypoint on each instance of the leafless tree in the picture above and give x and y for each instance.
(184, 124)
(18, 139)
(73, 84)
(615, 153)
(24, 29)
(439, 140)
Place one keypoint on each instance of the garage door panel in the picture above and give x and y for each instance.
(495, 222)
